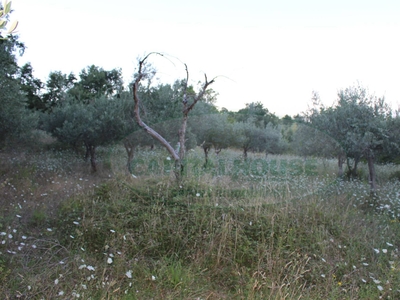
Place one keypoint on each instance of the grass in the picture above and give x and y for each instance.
(276, 228)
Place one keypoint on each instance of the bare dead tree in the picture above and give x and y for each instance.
(178, 155)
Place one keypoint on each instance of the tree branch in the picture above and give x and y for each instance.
(141, 75)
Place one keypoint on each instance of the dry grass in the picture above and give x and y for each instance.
(285, 229)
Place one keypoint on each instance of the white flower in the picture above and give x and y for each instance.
(129, 274)
(3, 233)
(61, 293)
(323, 259)
(251, 223)
(380, 287)
(198, 195)
(113, 231)
(376, 250)
(23, 237)
(81, 267)
(10, 236)
(376, 281)
(76, 223)
(49, 229)
(168, 158)
(18, 216)
(90, 268)
(384, 250)
(389, 244)
(323, 275)
(365, 264)
(109, 260)
(363, 280)
(56, 281)
(153, 277)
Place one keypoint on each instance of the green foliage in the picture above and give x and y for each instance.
(57, 87)
(251, 138)
(101, 122)
(31, 87)
(15, 119)
(257, 114)
(96, 82)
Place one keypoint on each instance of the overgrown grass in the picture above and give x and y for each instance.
(276, 228)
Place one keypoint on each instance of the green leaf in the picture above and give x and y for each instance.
(13, 26)
(3, 23)
(7, 7)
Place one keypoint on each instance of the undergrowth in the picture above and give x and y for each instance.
(288, 232)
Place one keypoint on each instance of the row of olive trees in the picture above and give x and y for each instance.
(359, 126)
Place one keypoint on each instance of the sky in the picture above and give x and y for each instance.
(268, 51)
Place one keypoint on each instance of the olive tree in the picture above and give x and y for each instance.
(358, 122)
(102, 122)
(212, 130)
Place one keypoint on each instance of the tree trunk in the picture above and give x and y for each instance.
(245, 153)
(92, 150)
(340, 165)
(182, 149)
(87, 153)
(372, 173)
(130, 150)
(206, 150)
(352, 170)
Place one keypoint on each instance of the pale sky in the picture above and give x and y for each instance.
(275, 52)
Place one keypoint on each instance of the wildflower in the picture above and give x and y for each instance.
(363, 280)
(365, 264)
(339, 283)
(61, 293)
(18, 216)
(153, 277)
(168, 158)
(380, 287)
(384, 250)
(76, 223)
(198, 195)
(109, 260)
(81, 267)
(389, 244)
(376, 281)
(251, 223)
(49, 229)
(113, 231)
(376, 250)
(23, 237)
(90, 268)
(323, 275)
(323, 259)
(129, 274)
(56, 281)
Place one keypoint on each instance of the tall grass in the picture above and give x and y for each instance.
(275, 228)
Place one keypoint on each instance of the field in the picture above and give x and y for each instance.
(276, 227)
